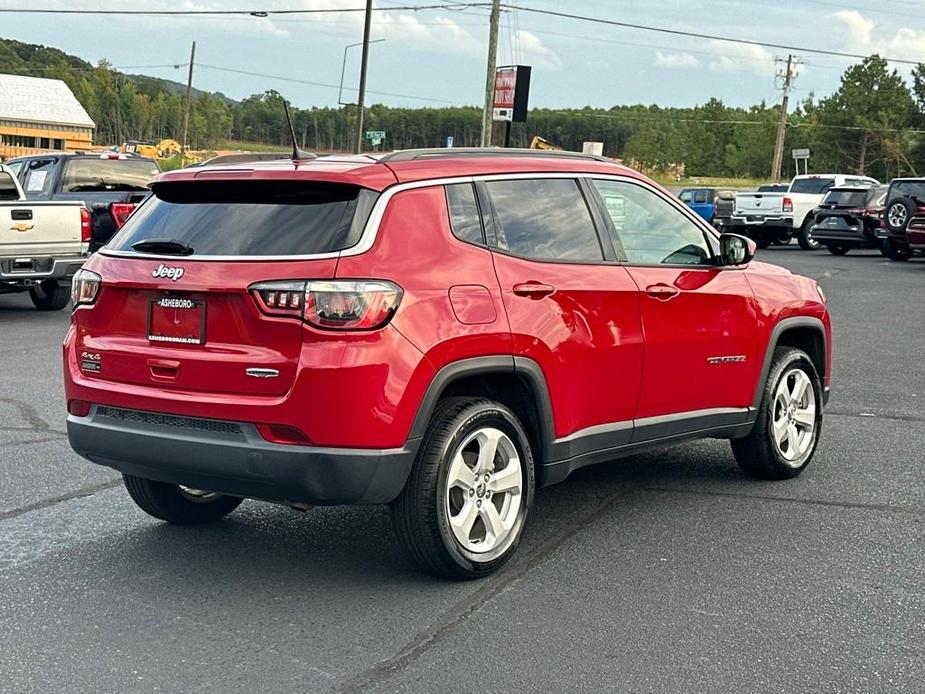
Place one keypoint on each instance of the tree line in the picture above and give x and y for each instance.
(874, 123)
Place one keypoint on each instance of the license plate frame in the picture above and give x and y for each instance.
(155, 329)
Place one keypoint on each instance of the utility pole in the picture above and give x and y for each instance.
(485, 140)
(189, 103)
(361, 99)
(788, 77)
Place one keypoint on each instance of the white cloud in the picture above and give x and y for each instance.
(535, 53)
(676, 61)
(739, 57)
(906, 43)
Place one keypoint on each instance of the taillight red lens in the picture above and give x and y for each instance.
(787, 205)
(120, 212)
(78, 408)
(85, 230)
(283, 433)
(332, 305)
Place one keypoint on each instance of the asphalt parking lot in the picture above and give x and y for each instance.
(662, 573)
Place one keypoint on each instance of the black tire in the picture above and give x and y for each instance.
(896, 251)
(837, 248)
(420, 514)
(898, 214)
(805, 238)
(763, 242)
(170, 503)
(758, 454)
(49, 295)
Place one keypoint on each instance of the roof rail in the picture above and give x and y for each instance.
(449, 152)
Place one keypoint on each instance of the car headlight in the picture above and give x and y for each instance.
(85, 285)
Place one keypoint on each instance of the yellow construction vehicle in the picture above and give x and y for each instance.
(163, 149)
(539, 143)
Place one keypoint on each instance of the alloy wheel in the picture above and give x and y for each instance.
(897, 216)
(793, 419)
(484, 491)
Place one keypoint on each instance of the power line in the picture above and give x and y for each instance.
(696, 35)
(253, 13)
(323, 84)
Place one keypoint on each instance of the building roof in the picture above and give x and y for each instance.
(39, 100)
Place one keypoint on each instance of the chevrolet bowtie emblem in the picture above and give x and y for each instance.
(22, 226)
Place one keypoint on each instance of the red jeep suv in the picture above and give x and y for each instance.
(443, 331)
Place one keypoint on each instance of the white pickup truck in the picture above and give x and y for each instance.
(778, 217)
(42, 244)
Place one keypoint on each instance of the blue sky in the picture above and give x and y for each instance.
(437, 57)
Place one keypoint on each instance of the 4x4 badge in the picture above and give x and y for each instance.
(172, 273)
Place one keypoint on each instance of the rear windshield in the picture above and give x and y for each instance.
(86, 175)
(846, 198)
(251, 218)
(813, 186)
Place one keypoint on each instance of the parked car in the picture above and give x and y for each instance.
(42, 244)
(777, 217)
(109, 184)
(441, 330)
(904, 219)
(725, 203)
(700, 200)
(849, 217)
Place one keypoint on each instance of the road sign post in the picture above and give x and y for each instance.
(375, 137)
(801, 154)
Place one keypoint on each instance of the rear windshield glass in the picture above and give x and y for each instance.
(251, 218)
(83, 175)
(813, 186)
(846, 198)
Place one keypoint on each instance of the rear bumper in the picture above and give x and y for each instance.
(760, 221)
(46, 268)
(232, 458)
(855, 236)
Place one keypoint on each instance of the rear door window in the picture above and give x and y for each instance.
(815, 185)
(700, 196)
(87, 175)
(464, 213)
(544, 219)
(37, 176)
(251, 218)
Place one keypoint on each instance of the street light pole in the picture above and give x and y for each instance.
(343, 70)
(361, 99)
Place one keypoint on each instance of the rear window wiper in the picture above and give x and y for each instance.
(165, 246)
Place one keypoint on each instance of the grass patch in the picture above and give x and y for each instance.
(240, 145)
(712, 182)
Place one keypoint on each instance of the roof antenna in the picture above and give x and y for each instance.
(297, 154)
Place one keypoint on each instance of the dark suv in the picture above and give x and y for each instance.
(444, 331)
(904, 219)
(849, 217)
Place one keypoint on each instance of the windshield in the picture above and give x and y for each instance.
(814, 185)
(250, 218)
(84, 174)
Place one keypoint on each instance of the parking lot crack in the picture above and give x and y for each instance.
(29, 413)
(906, 510)
(51, 501)
(459, 612)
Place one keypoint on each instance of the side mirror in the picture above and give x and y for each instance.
(735, 249)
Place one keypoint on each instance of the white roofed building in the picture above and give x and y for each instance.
(39, 115)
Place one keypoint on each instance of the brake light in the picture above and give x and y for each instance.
(85, 285)
(332, 305)
(120, 212)
(85, 230)
(787, 205)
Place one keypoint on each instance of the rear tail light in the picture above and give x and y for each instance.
(787, 205)
(120, 212)
(332, 305)
(85, 285)
(84, 225)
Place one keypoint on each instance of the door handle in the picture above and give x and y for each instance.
(535, 290)
(662, 292)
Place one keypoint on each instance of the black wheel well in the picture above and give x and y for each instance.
(510, 390)
(808, 339)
